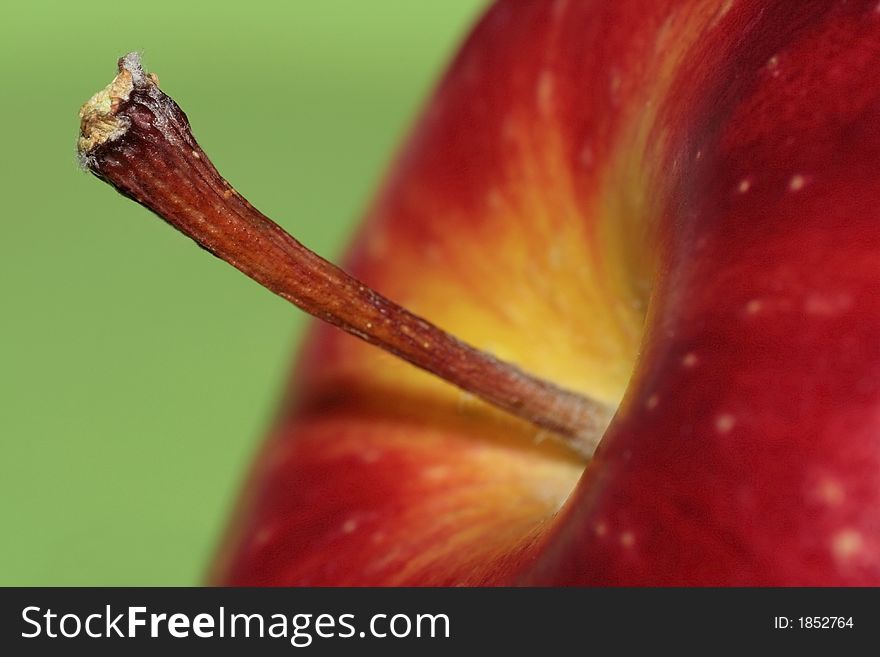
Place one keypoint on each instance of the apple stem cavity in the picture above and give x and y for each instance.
(136, 138)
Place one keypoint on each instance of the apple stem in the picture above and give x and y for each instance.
(137, 139)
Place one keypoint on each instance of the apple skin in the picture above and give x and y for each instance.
(688, 186)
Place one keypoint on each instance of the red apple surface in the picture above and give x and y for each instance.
(670, 206)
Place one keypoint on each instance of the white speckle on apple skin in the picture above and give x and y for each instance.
(544, 92)
(744, 185)
(725, 7)
(615, 83)
(600, 528)
(465, 400)
(724, 423)
(627, 539)
(773, 66)
(830, 492)
(541, 436)
(349, 526)
(796, 183)
(846, 544)
(690, 360)
(652, 402)
(753, 307)
(263, 536)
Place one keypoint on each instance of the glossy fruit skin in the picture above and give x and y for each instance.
(689, 185)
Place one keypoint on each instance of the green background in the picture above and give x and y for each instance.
(137, 373)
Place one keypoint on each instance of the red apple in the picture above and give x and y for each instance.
(690, 185)
(671, 206)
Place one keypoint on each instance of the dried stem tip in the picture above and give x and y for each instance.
(99, 121)
(138, 140)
